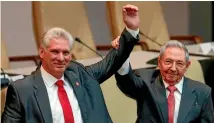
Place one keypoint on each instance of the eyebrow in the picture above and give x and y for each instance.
(174, 60)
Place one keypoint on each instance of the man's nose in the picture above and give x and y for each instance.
(61, 57)
(173, 67)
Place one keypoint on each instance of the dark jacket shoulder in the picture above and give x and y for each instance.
(201, 88)
(147, 75)
(74, 65)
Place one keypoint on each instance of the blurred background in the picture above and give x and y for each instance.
(18, 33)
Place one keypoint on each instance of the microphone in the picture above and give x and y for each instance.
(141, 33)
(78, 40)
(4, 81)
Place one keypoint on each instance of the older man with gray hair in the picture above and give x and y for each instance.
(165, 95)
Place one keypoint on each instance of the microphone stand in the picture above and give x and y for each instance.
(150, 39)
(78, 40)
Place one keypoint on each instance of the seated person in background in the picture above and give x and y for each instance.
(64, 91)
(166, 95)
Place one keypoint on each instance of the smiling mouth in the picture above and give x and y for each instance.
(59, 65)
(173, 75)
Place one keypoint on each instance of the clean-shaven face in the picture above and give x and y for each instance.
(173, 65)
(56, 57)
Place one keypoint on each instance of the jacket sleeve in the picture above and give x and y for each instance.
(207, 113)
(12, 111)
(130, 84)
(114, 59)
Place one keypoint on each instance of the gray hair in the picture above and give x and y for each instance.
(174, 43)
(56, 32)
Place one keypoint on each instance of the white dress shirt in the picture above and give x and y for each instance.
(177, 95)
(125, 69)
(56, 109)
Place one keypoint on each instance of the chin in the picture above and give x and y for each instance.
(59, 69)
(172, 80)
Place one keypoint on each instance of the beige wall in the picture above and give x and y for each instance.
(176, 16)
(18, 33)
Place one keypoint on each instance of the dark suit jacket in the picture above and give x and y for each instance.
(27, 100)
(147, 88)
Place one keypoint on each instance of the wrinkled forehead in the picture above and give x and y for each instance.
(174, 53)
(59, 42)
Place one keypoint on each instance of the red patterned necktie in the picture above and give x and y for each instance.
(66, 107)
(171, 103)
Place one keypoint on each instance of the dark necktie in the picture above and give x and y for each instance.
(171, 103)
(64, 101)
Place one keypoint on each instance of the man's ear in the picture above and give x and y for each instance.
(159, 61)
(188, 64)
(41, 52)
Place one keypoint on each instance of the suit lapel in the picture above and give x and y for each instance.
(160, 96)
(41, 95)
(187, 100)
(79, 92)
(157, 91)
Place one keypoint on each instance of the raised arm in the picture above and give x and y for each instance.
(128, 82)
(116, 57)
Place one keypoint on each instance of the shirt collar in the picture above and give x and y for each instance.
(179, 85)
(48, 78)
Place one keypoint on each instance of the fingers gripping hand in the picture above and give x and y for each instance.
(115, 42)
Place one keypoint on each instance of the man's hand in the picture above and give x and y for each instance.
(115, 42)
(130, 17)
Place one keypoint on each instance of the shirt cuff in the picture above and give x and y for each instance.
(125, 68)
(133, 32)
